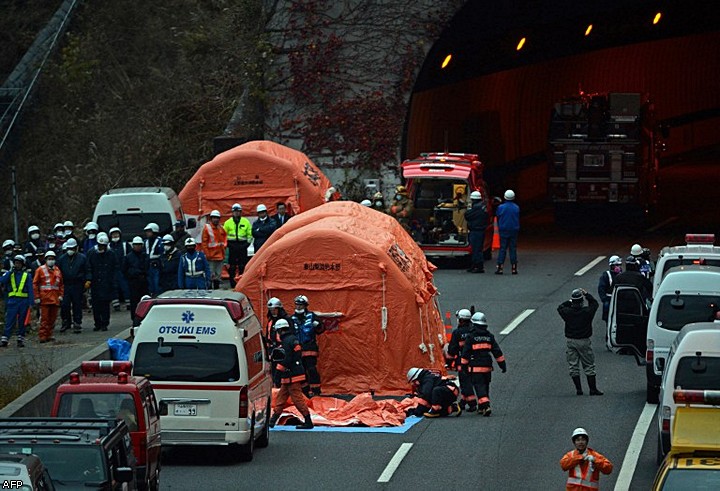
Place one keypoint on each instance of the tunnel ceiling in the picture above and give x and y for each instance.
(483, 35)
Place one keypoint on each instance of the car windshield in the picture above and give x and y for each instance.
(693, 308)
(188, 362)
(695, 479)
(698, 373)
(133, 224)
(106, 405)
(71, 466)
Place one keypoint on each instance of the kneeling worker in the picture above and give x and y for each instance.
(438, 396)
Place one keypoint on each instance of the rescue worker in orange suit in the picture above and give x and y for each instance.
(17, 284)
(307, 327)
(438, 396)
(584, 464)
(477, 362)
(288, 356)
(275, 313)
(455, 348)
(48, 290)
(401, 207)
(214, 242)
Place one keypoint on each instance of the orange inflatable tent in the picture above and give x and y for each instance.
(253, 173)
(361, 264)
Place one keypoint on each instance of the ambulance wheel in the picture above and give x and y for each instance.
(245, 452)
(264, 439)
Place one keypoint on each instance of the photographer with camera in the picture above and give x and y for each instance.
(578, 318)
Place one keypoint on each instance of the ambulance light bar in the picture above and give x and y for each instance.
(707, 397)
(699, 239)
(106, 366)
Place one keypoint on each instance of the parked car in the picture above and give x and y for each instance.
(24, 472)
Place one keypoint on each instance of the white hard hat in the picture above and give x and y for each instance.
(168, 238)
(33, 228)
(479, 319)
(68, 223)
(614, 260)
(215, 214)
(463, 314)
(137, 240)
(301, 299)
(115, 229)
(509, 195)
(103, 239)
(261, 207)
(8, 243)
(236, 207)
(413, 374)
(71, 243)
(190, 242)
(366, 202)
(152, 226)
(49, 254)
(58, 225)
(636, 250)
(274, 303)
(475, 195)
(91, 226)
(281, 324)
(578, 432)
(20, 258)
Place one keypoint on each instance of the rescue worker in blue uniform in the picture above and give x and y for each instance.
(438, 396)
(605, 284)
(274, 314)
(7, 258)
(102, 281)
(194, 269)
(73, 266)
(263, 227)
(455, 349)
(18, 286)
(121, 249)
(477, 219)
(508, 216)
(34, 246)
(307, 327)
(90, 241)
(135, 268)
(170, 262)
(477, 362)
(154, 249)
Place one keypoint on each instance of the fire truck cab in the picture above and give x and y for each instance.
(439, 185)
(106, 390)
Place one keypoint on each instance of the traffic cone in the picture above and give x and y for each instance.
(448, 327)
(496, 236)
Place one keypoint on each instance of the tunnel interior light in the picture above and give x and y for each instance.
(446, 61)
(657, 17)
(588, 30)
(520, 44)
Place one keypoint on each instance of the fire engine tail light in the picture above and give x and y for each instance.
(707, 397)
(243, 408)
(106, 366)
(699, 239)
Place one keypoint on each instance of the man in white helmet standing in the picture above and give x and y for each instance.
(639, 253)
(583, 464)
(239, 237)
(48, 291)
(90, 241)
(578, 319)
(194, 268)
(102, 281)
(508, 216)
(606, 282)
(73, 266)
(477, 360)
(454, 351)
(477, 219)
(214, 242)
(135, 269)
(153, 249)
(263, 227)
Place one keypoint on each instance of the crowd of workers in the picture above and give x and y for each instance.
(62, 273)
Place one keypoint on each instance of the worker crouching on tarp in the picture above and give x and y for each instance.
(438, 396)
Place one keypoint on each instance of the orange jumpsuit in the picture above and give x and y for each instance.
(584, 475)
(214, 241)
(49, 289)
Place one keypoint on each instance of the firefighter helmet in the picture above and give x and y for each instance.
(580, 432)
(463, 314)
(476, 195)
(301, 299)
(413, 374)
(479, 319)
(614, 261)
(400, 189)
(636, 250)
(576, 295)
(274, 303)
(366, 202)
(281, 325)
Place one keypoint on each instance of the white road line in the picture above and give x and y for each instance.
(661, 224)
(589, 266)
(633, 452)
(395, 462)
(516, 321)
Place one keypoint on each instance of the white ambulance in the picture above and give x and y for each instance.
(203, 353)
(698, 249)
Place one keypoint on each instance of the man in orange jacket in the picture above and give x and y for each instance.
(48, 291)
(214, 242)
(584, 464)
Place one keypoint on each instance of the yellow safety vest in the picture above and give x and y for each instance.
(15, 291)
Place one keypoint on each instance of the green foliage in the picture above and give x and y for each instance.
(21, 376)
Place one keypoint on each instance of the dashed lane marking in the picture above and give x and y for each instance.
(589, 266)
(395, 462)
(517, 320)
(633, 452)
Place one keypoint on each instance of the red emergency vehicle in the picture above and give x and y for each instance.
(439, 185)
(106, 390)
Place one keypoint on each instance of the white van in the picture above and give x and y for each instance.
(203, 353)
(132, 209)
(693, 364)
(698, 249)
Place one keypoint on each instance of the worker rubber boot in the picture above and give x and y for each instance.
(472, 407)
(274, 419)
(499, 269)
(432, 414)
(307, 425)
(456, 410)
(485, 410)
(578, 385)
(514, 268)
(593, 387)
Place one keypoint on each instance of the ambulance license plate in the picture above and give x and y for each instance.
(185, 410)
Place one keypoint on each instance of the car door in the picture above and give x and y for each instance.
(628, 321)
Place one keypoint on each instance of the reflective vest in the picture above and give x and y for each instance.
(211, 236)
(240, 231)
(305, 330)
(51, 281)
(14, 290)
(152, 249)
(191, 268)
(585, 480)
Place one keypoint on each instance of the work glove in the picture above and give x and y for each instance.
(589, 458)
(37, 301)
(87, 284)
